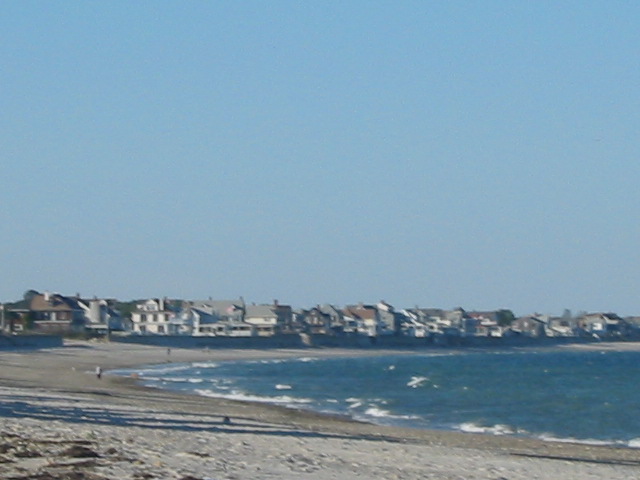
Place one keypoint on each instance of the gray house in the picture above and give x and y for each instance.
(217, 318)
(270, 319)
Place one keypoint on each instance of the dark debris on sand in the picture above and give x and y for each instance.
(60, 476)
(77, 459)
(79, 451)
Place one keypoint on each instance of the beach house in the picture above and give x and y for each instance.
(366, 318)
(156, 316)
(101, 316)
(271, 319)
(219, 318)
(50, 313)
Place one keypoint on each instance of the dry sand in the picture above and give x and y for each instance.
(58, 421)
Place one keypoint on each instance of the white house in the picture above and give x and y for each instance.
(155, 317)
(264, 318)
(100, 316)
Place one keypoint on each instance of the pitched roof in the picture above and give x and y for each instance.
(260, 311)
(366, 312)
(330, 310)
(22, 305)
(53, 302)
(220, 307)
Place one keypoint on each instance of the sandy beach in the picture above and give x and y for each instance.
(59, 421)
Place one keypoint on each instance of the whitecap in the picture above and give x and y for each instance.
(498, 429)
(416, 382)
(173, 379)
(378, 412)
(205, 365)
(235, 395)
(283, 387)
(161, 370)
(307, 359)
(583, 441)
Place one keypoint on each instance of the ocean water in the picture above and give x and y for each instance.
(584, 396)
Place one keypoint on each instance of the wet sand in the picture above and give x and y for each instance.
(59, 421)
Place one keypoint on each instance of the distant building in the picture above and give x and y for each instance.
(483, 324)
(530, 326)
(315, 321)
(269, 320)
(603, 325)
(365, 317)
(218, 318)
(101, 316)
(49, 313)
(155, 317)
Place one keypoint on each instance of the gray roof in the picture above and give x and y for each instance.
(260, 311)
(330, 310)
(220, 307)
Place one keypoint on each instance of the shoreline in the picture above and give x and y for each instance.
(60, 379)
(141, 380)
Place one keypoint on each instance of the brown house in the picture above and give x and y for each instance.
(366, 316)
(50, 313)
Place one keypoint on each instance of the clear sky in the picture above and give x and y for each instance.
(441, 154)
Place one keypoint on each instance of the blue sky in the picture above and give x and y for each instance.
(474, 154)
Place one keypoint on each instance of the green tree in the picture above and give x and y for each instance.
(505, 317)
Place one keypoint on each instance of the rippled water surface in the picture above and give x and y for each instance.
(563, 395)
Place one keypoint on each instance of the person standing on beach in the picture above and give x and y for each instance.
(99, 372)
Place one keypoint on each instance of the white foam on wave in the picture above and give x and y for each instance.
(164, 380)
(308, 359)
(416, 382)
(583, 441)
(283, 387)
(498, 429)
(377, 412)
(205, 365)
(264, 361)
(172, 379)
(161, 370)
(508, 430)
(235, 395)
(167, 380)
